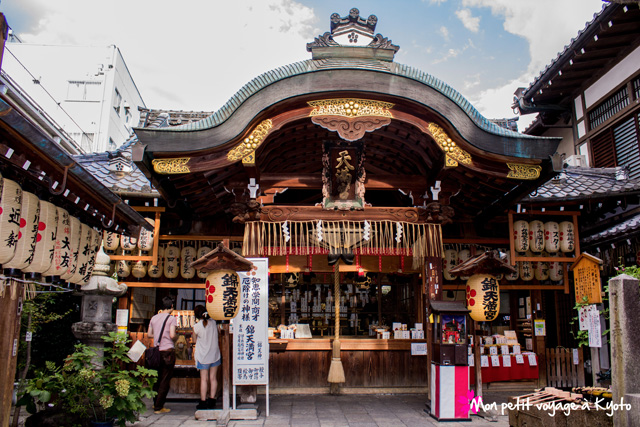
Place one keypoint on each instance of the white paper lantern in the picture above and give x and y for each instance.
(145, 241)
(222, 293)
(128, 243)
(171, 257)
(139, 269)
(96, 243)
(512, 276)
(450, 260)
(567, 237)
(541, 269)
(525, 269)
(483, 297)
(45, 239)
(187, 256)
(555, 271)
(202, 251)
(70, 250)
(155, 271)
(123, 268)
(10, 208)
(84, 250)
(521, 236)
(464, 255)
(28, 232)
(63, 231)
(536, 236)
(552, 237)
(111, 241)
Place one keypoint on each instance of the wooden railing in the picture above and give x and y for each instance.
(561, 369)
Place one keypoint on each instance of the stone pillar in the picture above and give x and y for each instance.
(97, 300)
(624, 305)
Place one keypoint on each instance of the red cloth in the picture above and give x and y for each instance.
(500, 373)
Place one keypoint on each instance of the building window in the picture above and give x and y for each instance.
(618, 146)
(117, 101)
(636, 88)
(112, 144)
(608, 108)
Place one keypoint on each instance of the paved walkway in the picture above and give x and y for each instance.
(326, 410)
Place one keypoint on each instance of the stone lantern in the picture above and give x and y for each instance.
(97, 301)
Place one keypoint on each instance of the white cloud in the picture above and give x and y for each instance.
(546, 33)
(168, 49)
(451, 53)
(470, 22)
(444, 32)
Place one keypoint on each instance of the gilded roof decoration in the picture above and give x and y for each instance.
(453, 153)
(171, 166)
(528, 172)
(348, 107)
(251, 143)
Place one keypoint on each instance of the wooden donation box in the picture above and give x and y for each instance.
(449, 361)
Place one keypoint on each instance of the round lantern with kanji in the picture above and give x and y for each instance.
(222, 294)
(483, 297)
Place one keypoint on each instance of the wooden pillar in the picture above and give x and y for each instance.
(477, 341)
(539, 343)
(379, 290)
(10, 311)
(226, 371)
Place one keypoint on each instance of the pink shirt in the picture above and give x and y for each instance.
(166, 343)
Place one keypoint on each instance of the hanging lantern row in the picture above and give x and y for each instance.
(144, 242)
(42, 239)
(173, 261)
(526, 270)
(537, 236)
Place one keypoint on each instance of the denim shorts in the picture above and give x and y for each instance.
(204, 367)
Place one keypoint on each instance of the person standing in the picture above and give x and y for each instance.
(167, 351)
(207, 356)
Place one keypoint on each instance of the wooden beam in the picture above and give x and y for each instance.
(276, 213)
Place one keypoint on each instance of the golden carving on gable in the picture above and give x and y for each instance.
(351, 129)
(518, 171)
(453, 153)
(248, 147)
(171, 166)
(350, 107)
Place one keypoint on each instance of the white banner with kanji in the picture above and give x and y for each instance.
(250, 326)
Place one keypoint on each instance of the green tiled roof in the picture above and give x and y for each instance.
(311, 66)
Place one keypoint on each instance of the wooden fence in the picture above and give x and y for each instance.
(561, 369)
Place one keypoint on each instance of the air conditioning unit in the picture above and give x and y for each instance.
(579, 160)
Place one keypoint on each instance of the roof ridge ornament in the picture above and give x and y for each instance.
(352, 37)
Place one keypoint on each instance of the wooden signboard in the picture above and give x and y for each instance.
(586, 276)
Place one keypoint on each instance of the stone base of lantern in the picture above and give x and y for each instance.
(232, 414)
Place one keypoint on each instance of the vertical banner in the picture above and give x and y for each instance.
(250, 326)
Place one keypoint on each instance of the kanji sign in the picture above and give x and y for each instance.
(586, 276)
(250, 327)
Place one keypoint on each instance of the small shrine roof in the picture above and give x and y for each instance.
(117, 171)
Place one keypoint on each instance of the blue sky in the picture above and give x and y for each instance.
(197, 57)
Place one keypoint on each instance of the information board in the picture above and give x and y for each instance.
(250, 326)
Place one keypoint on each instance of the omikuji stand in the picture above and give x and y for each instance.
(449, 361)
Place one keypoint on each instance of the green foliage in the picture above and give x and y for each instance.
(52, 315)
(581, 337)
(80, 387)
